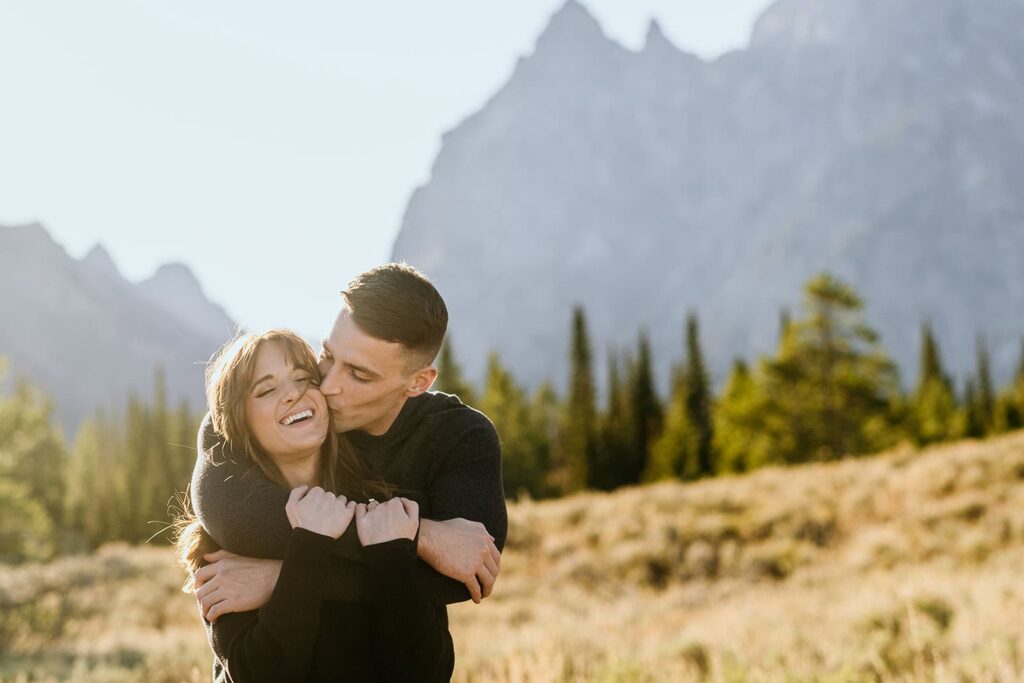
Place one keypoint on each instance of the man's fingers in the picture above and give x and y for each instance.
(360, 511)
(486, 581)
(474, 590)
(217, 610)
(491, 565)
(209, 600)
(206, 589)
(495, 554)
(218, 555)
(204, 574)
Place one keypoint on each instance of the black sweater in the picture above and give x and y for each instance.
(443, 454)
(299, 636)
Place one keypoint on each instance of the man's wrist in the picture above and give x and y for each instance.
(424, 540)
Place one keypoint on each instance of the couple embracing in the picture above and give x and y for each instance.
(339, 506)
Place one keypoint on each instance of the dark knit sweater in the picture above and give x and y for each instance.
(443, 454)
(298, 636)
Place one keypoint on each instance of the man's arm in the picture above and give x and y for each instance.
(244, 513)
(467, 486)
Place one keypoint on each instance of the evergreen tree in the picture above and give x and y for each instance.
(31, 476)
(580, 432)
(740, 434)
(974, 418)
(615, 444)
(544, 419)
(673, 453)
(450, 379)
(831, 389)
(933, 407)
(684, 447)
(646, 412)
(697, 388)
(505, 403)
(32, 453)
(985, 395)
(1013, 400)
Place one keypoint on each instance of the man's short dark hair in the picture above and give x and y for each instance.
(396, 303)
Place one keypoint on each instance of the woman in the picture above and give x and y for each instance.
(263, 398)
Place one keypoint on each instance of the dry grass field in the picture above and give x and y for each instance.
(901, 567)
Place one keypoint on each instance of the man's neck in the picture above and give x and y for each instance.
(381, 426)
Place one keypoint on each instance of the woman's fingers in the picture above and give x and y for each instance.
(412, 508)
(297, 493)
(360, 511)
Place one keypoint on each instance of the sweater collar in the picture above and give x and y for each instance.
(408, 419)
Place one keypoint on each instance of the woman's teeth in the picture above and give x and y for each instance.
(291, 419)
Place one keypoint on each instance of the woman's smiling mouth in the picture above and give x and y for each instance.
(300, 416)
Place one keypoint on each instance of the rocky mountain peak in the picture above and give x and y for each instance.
(98, 259)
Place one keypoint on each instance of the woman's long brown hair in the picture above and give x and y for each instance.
(228, 377)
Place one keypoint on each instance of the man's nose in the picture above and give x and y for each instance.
(329, 385)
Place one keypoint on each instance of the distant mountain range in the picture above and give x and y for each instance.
(88, 336)
(882, 140)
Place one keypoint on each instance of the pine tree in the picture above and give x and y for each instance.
(741, 437)
(1013, 401)
(32, 451)
(31, 476)
(985, 396)
(933, 406)
(831, 388)
(580, 432)
(974, 418)
(615, 443)
(697, 388)
(505, 403)
(646, 412)
(450, 379)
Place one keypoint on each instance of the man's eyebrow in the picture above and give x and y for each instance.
(362, 369)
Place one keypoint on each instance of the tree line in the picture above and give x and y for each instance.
(828, 391)
(120, 480)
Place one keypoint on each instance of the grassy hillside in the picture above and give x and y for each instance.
(903, 566)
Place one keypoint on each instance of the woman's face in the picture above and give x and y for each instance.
(284, 409)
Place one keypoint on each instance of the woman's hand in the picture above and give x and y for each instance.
(319, 511)
(397, 518)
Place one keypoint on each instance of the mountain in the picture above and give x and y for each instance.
(88, 337)
(882, 140)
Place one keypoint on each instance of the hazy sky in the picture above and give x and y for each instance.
(270, 146)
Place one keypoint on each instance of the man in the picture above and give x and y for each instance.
(376, 367)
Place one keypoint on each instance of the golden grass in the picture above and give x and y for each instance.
(901, 567)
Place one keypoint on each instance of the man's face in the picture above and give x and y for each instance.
(365, 380)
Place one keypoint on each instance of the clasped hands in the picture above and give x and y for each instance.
(458, 548)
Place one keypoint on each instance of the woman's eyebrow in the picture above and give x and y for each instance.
(260, 381)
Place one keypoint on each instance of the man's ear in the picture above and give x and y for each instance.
(420, 381)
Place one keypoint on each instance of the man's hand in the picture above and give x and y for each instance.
(462, 550)
(231, 583)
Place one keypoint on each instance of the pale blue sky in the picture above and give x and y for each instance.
(270, 146)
